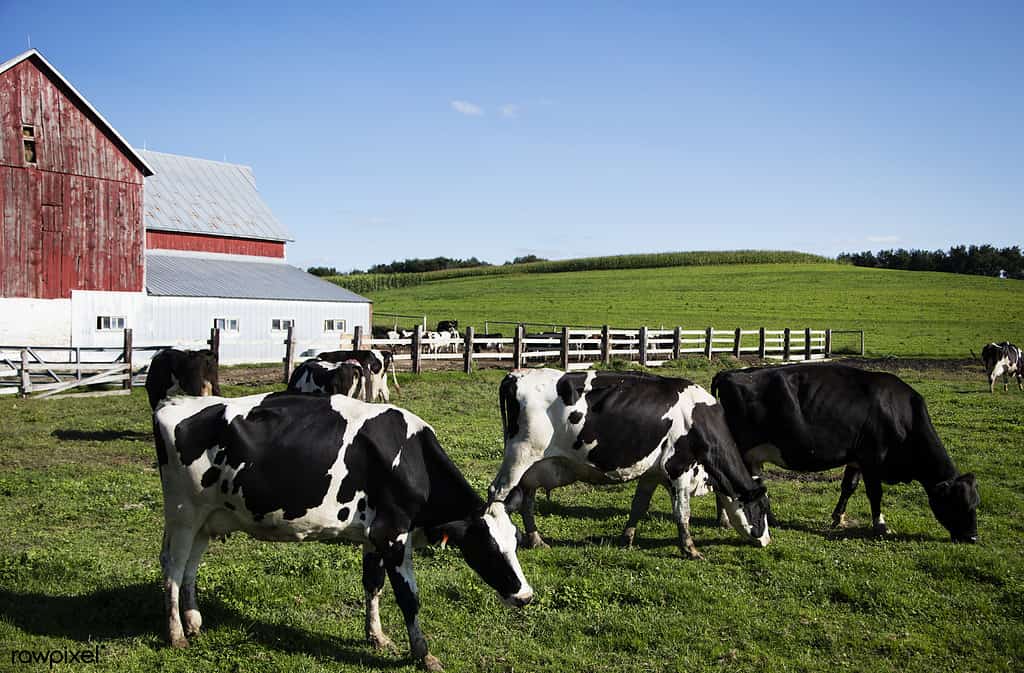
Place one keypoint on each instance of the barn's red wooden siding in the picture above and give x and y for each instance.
(74, 219)
(172, 240)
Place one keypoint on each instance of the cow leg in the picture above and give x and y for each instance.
(680, 492)
(177, 546)
(851, 479)
(404, 584)
(873, 486)
(190, 606)
(373, 583)
(645, 488)
(533, 540)
(1020, 383)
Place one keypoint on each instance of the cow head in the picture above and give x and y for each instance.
(748, 514)
(488, 542)
(955, 504)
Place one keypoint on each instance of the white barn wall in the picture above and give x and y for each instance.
(35, 322)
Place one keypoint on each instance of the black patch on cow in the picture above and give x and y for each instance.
(626, 420)
(219, 458)
(224, 487)
(228, 505)
(361, 505)
(210, 477)
(343, 514)
(288, 443)
(575, 417)
(507, 400)
(161, 445)
(362, 516)
(192, 369)
(199, 433)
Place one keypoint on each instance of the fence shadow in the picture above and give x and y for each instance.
(102, 435)
(136, 610)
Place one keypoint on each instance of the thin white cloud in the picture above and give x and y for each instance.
(884, 239)
(509, 110)
(467, 108)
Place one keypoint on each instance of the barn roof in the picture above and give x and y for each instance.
(62, 82)
(179, 275)
(199, 196)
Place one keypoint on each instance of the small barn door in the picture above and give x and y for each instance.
(52, 238)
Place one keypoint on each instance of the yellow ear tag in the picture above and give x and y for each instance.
(444, 541)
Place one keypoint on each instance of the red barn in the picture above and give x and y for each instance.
(70, 190)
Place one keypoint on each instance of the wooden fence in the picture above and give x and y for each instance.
(573, 348)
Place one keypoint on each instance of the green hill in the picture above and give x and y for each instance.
(905, 313)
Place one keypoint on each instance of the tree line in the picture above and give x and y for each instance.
(418, 265)
(975, 260)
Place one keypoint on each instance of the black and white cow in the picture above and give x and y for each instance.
(285, 467)
(487, 341)
(814, 417)
(327, 378)
(375, 366)
(608, 427)
(180, 372)
(1002, 359)
(447, 325)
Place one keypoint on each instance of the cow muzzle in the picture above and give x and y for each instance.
(519, 600)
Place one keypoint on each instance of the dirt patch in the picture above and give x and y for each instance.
(251, 376)
(892, 364)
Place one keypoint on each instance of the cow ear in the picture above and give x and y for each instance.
(943, 488)
(968, 479)
(453, 532)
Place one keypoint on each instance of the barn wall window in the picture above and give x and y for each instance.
(110, 322)
(281, 324)
(28, 139)
(334, 325)
(226, 324)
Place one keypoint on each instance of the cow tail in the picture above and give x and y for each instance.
(394, 376)
(714, 384)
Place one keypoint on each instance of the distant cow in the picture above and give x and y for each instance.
(328, 378)
(1002, 359)
(375, 366)
(815, 417)
(289, 468)
(487, 341)
(181, 372)
(447, 325)
(606, 428)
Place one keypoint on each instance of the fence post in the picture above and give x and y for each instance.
(828, 343)
(289, 355)
(862, 342)
(415, 350)
(565, 348)
(357, 338)
(643, 345)
(517, 347)
(127, 385)
(761, 345)
(606, 345)
(785, 345)
(214, 342)
(736, 343)
(467, 343)
(677, 338)
(26, 377)
(807, 343)
(709, 336)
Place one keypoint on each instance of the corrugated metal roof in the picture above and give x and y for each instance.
(199, 196)
(190, 276)
(47, 67)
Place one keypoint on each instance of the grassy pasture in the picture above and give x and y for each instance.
(905, 313)
(81, 524)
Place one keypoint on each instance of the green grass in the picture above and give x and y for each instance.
(374, 282)
(904, 313)
(80, 507)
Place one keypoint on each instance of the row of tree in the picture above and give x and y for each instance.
(418, 265)
(976, 260)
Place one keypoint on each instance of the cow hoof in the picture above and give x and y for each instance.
(881, 530)
(692, 554)
(724, 524)
(380, 642)
(193, 622)
(431, 663)
(535, 541)
(626, 541)
(179, 643)
(838, 521)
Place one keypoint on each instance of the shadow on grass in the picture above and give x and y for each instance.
(102, 435)
(136, 610)
(546, 507)
(855, 533)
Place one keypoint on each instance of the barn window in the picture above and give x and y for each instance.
(110, 322)
(334, 325)
(28, 135)
(281, 324)
(226, 324)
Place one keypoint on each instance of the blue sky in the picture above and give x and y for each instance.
(389, 130)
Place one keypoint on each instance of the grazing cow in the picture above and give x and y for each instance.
(327, 378)
(607, 427)
(180, 372)
(375, 366)
(1002, 359)
(814, 417)
(487, 341)
(289, 468)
